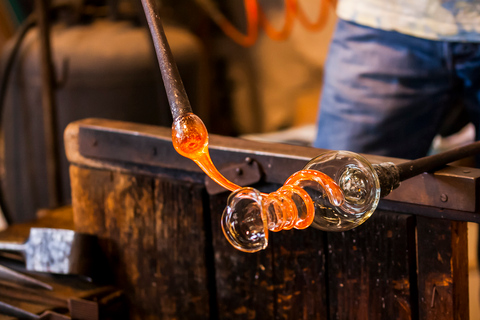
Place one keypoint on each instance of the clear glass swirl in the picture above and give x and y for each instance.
(249, 214)
(359, 183)
(242, 221)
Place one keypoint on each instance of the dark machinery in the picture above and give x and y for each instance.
(100, 68)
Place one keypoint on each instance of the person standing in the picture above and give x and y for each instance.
(395, 71)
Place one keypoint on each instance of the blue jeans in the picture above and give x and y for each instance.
(388, 93)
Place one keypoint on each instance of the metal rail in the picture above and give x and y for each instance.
(145, 149)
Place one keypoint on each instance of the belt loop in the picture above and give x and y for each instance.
(447, 54)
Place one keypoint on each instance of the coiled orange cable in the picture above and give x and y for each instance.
(251, 12)
(286, 30)
(322, 16)
(256, 17)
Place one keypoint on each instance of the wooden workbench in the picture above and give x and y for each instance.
(161, 231)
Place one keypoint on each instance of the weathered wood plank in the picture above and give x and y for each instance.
(286, 281)
(244, 281)
(299, 274)
(178, 260)
(153, 234)
(442, 269)
(371, 269)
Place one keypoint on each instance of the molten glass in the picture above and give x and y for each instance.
(250, 214)
(190, 139)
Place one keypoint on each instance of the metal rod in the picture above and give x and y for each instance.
(17, 277)
(415, 167)
(9, 310)
(177, 96)
(48, 104)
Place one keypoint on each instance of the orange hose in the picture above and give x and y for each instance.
(249, 39)
(256, 17)
(282, 34)
(321, 20)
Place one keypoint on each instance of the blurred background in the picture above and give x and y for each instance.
(101, 64)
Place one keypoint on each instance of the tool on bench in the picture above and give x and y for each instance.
(57, 251)
(83, 300)
(9, 310)
(78, 309)
(11, 275)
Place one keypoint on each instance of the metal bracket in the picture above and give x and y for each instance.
(142, 149)
(245, 173)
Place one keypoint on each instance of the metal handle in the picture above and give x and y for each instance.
(17, 277)
(412, 168)
(390, 175)
(9, 310)
(177, 96)
(12, 246)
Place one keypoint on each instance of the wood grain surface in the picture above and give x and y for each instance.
(166, 249)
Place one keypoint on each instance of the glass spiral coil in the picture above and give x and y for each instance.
(250, 214)
(359, 182)
(340, 188)
(335, 191)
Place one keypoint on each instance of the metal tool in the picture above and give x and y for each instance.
(414, 167)
(176, 94)
(9, 310)
(82, 300)
(21, 279)
(57, 251)
(79, 309)
(391, 175)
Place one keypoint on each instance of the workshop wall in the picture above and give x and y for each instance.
(276, 84)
